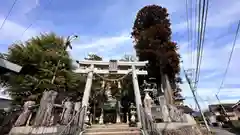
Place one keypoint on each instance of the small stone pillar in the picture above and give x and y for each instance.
(164, 109)
(101, 118)
(87, 117)
(133, 121)
(148, 103)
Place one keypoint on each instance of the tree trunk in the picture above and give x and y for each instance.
(167, 89)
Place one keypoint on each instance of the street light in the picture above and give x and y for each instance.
(67, 44)
(69, 40)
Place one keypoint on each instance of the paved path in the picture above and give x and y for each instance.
(220, 131)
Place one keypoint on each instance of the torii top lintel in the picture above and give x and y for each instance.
(119, 63)
(103, 67)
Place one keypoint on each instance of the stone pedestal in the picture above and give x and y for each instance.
(118, 118)
(164, 112)
(101, 118)
(53, 130)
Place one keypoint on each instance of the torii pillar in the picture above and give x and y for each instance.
(88, 87)
(119, 68)
(136, 92)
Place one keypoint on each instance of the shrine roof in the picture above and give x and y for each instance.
(6, 66)
(5, 103)
(185, 108)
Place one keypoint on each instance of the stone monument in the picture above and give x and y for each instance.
(148, 103)
(25, 116)
(67, 112)
(76, 112)
(44, 114)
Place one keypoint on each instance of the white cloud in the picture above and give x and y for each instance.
(103, 46)
(217, 17)
(207, 96)
(214, 58)
(26, 6)
(13, 31)
(216, 53)
(105, 43)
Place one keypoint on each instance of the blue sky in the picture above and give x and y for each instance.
(104, 28)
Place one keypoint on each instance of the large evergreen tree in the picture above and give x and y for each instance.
(40, 56)
(152, 36)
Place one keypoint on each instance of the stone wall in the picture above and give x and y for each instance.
(188, 130)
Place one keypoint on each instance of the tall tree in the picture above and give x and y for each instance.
(127, 58)
(41, 55)
(152, 36)
(93, 57)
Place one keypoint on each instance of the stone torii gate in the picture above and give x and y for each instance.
(112, 67)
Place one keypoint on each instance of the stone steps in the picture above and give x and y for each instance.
(110, 129)
(113, 129)
(108, 125)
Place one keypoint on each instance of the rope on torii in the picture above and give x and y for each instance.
(113, 80)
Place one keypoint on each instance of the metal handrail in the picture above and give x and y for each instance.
(71, 129)
(148, 125)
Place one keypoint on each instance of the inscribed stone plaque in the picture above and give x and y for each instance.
(113, 66)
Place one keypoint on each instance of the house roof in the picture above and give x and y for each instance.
(215, 107)
(5, 103)
(237, 104)
(185, 108)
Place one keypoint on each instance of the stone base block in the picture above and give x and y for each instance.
(188, 130)
(174, 128)
(53, 130)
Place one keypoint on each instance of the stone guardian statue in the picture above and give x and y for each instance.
(26, 114)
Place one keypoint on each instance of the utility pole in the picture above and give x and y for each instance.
(67, 44)
(224, 110)
(195, 98)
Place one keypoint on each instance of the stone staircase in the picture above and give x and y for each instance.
(112, 129)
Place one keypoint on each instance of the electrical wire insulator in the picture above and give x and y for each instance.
(119, 85)
(103, 84)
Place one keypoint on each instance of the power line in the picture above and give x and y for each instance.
(225, 73)
(191, 31)
(201, 26)
(195, 33)
(30, 25)
(203, 37)
(230, 58)
(198, 35)
(188, 31)
(9, 12)
(195, 98)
